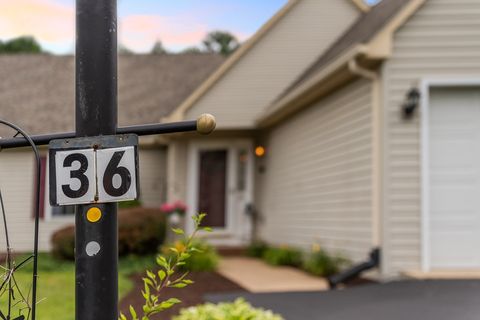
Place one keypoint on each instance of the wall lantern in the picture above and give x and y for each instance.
(411, 103)
(260, 151)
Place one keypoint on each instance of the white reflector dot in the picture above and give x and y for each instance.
(93, 248)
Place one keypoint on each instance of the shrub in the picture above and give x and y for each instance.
(320, 263)
(239, 309)
(63, 243)
(140, 231)
(283, 256)
(204, 258)
(256, 249)
(129, 204)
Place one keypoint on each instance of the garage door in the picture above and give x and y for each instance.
(454, 176)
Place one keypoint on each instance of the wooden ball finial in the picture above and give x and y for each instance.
(206, 123)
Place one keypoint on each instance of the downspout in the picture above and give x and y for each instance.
(377, 150)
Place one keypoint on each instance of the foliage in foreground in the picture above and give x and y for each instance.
(167, 276)
(206, 259)
(56, 286)
(238, 310)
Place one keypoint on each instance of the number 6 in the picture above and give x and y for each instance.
(113, 169)
(116, 174)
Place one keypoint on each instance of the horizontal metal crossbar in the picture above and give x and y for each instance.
(141, 130)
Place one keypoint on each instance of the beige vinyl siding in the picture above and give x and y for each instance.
(275, 62)
(317, 183)
(177, 170)
(153, 176)
(442, 41)
(17, 185)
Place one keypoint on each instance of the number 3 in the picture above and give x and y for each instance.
(76, 174)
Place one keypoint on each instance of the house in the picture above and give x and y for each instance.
(369, 122)
(339, 124)
(37, 93)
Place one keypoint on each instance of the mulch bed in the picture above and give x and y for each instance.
(205, 283)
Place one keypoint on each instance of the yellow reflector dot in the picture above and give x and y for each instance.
(94, 214)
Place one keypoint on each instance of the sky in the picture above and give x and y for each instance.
(176, 23)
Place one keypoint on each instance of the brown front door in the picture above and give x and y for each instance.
(212, 187)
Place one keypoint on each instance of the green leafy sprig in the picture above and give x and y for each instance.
(168, 275)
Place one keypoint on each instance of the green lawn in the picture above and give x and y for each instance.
(56, 284)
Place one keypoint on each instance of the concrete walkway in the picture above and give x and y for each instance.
(445, 275)
(257, 276)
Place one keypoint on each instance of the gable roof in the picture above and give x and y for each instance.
(243, 50)
(37, 91)
(232, 61)
(369, 38)
(362, 31)
(362, 5)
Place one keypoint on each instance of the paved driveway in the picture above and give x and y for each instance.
(415, 300)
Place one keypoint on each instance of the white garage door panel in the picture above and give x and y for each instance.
(454, 181)
(458, 198)
(451, 242)
(445, 152)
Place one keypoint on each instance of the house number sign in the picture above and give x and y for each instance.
(93, 170)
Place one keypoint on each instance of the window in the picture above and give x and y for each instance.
(62, 211)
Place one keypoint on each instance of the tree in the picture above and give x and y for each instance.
(158, 48)
(191, 50)
(25, 44)
(221, 42)
(124, 50)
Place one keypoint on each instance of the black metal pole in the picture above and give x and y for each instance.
(96, 255)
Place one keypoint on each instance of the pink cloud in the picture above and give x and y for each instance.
(139, 32)
(47, 20)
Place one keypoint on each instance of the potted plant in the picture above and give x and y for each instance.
(175, 212)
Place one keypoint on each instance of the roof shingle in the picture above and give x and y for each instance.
(37, 91)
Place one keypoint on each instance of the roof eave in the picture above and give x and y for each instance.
(380, 47)
(295, 99)
(360, 4)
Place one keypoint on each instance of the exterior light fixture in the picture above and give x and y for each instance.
(411, 103)
(260, 151)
